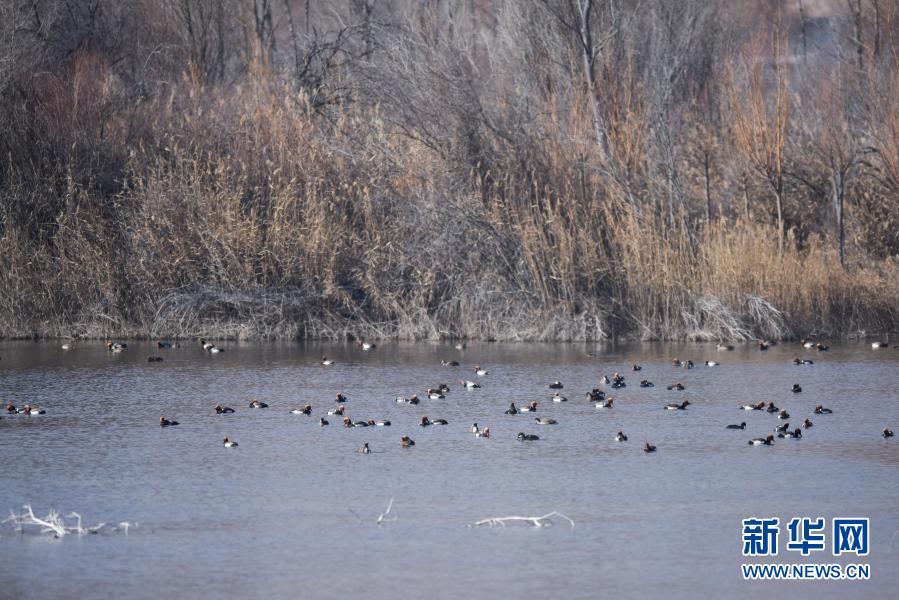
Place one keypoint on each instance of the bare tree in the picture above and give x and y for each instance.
(761, 124)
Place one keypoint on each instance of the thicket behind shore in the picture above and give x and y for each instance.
(537, 169)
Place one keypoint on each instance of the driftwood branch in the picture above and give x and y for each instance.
(384, 517)
(541, 521)
(56, 524)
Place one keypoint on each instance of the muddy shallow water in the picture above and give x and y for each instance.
(292, 511)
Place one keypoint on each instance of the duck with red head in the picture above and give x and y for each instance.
(768, 441)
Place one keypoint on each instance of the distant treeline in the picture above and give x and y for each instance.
(494, 169)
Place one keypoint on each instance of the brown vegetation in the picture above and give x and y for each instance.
(536, 169)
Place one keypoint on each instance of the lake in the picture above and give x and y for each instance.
(292, 512)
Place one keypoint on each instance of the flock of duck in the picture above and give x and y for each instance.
(597, 396)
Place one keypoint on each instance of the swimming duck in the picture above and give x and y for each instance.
(365, 345)
(206, 345)
(807, 423)
(647, 447)
(796, 388)
(876, 345)
(348, 422)
(605, 404)
(556, 385)
(340, 398)
(768, 441)
(512, 410)
(221, 410)
(740, 426)
(545, 421)
(675, 362)
(322, 422)
(808, 344)
(797, 434)
(166, 422)
(688, 364)
(406, 441)
(479, 371)
(771, 408)
(620, 437)
(379, 423)
(365, 449)
(160, 344)
(31, 410)
(646, 384)
(821, 347)
(887, 433)
(257, 404)
(682, 406)
(557, 397)
(471, 385)
(306, 410)
(338, 411)
(804, 361)
(484, 434)
(712, 363)
(229, 443)
(215, 350)
(327, 361)
(783, 415)
(527, 437)
(758, 406)
(595, 395)
(764, 345)
(820, 410)
(473, 428)
(360, 423)
(66, 346)
(10, 408)
(460, 346)
(154, 359)
(604, 380)
(449, 363)
(725, 347)
(532, 407)
(636, 368)
(115, 347)
(676, 386)
(782, 428)
(435, 394)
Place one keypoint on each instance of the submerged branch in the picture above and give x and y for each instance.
(541, 521)
(56, 524)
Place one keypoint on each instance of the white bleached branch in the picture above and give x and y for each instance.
(383, 516)
(541, 521)
(55, 524)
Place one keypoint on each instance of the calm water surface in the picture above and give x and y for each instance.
(292, 512)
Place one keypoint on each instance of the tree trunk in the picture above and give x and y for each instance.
(857, 14)
(837, 187)
(585, 8)
(778, 203)
(708, 197)
(746, 197)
